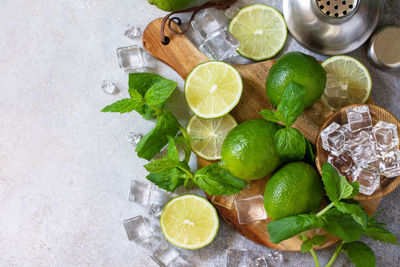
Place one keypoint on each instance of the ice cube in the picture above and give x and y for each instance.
(109, 87)
(342, 163)
(369, 180)
(221, 46)
(157, 200)
(207, 23)
(134, 138)
(130, 59)
(337, 138)
(359, 118)
(325, 134)
(237, 258)
(336, 86)
(231, 12)
(132, 32)
(224, 201)
(386, 135)
(360, 138)
(363, 154)
(260, 262)
(389, 163)
(250, 209)
(275, 256)
(140, 192)
(138, 230)
(166, 255)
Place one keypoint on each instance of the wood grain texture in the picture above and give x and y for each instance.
(183, 56)
(387, 185)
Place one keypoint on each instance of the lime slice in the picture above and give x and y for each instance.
(261, 30)
(348, 82)
(189, 222)
(209, 134)
(213, 89)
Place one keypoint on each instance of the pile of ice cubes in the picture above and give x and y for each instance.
(362, 151)
(211, 30)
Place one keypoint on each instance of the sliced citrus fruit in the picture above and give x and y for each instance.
(213, 89)
(261, 30)
(348, 82)
(209, 134)
(189, 222)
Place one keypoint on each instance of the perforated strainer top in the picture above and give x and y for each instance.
(337, 8)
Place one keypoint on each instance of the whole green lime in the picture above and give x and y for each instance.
(294, 189)
(301, 69)
(248, 151)
(171, 5)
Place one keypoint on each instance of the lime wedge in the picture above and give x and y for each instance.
(348, 82)
(189, 222)
(209, 134)
(261, 30)
(213, 89)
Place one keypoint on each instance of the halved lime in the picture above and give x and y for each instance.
(209, 134)
(189, 222)
(261, 30)
(348, 82)
(213, 89)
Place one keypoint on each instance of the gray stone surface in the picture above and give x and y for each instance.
(65, 168)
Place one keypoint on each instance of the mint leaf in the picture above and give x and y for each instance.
(293, 225)
(331, 180)
(360, 254)
(216, 181)
(270, 115)
(342, 225)
(181, 140)
(160, 165)
(142, 82)
(156, 139)
(318, 240)
(345, 189)
(306, 246)
(159, 92)
(310, 153)
(356, 189)
(123, 106)
(292, 103)
(172, 151)
(168, 180)
(381, 234)
(290, 144)
(355, 210)
(147, 112)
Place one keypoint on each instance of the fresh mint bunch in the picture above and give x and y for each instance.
(148, 95)
(290, 143)
(343, 217)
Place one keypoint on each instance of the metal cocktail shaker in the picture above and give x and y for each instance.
(331, 27)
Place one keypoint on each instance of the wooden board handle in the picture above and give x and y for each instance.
(180, 53)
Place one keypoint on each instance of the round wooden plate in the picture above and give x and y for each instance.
(183, 56)
(387, 185)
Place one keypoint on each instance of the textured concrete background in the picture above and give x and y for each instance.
(65, 168)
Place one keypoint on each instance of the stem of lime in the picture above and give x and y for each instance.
(337, 251)
(319, 214)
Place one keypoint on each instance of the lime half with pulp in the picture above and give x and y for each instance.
(348, 82)
(261, 30)
(189, 222)
(213, 89)
(209, 134)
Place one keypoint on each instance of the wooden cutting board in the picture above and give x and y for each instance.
(183, 56)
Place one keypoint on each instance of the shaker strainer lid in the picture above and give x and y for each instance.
(331, 27)
(337, 8)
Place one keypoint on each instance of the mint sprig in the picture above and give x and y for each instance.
(290, 143)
